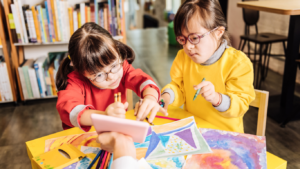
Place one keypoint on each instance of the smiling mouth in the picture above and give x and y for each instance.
(114, 83)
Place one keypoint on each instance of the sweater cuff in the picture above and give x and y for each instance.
(149, 83)
(225, 104)
(75, 115)
(171, 93)
(125, 162)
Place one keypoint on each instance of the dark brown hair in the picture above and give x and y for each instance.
(209, 10)
(91, 48)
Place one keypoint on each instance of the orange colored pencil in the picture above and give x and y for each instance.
(116, 97)
(119, 97)
(106, 162)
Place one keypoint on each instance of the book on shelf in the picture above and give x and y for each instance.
(25, 68)
(38, 76)
(39, 70)
(56, 21)
(19, 12)
(12, 28)
(17, 23)
(31, 26)
(5, 87)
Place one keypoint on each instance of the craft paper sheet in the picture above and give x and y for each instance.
(230, 151)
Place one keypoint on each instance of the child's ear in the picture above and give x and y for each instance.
(219, 32)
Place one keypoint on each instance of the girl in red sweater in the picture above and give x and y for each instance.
(98, 67)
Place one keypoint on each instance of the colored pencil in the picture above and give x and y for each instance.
(119, 96)
(111, 160)
(197, 92)
(168, 118)
(116, 97)
(95, 159)
(106, 161)
(100, 159)
(103, 160)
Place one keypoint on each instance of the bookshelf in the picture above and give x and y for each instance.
(22, 51)
(4, 48)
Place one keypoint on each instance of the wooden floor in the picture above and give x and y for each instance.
(35, 119)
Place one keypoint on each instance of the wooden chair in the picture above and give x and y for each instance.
(129, 98)
(261, 102)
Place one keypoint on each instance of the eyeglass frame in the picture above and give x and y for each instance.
(106, 73)
(199, 36)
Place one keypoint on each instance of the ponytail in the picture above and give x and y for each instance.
(125, 52)
(62, 74)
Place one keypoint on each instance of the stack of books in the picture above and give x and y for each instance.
(38, 76)
(5, 87)
(56, 21)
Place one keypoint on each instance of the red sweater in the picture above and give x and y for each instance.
(81, 95)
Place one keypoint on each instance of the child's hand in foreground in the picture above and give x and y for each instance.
(146, 106)
(117, 109)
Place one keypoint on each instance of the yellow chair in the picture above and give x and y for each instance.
(261, 102)
(129, 98)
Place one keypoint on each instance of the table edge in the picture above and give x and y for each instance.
(266, 9)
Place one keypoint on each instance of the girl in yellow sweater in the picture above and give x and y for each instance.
(225, 95)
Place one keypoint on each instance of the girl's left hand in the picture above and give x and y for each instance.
(149, 104)
(208, 92)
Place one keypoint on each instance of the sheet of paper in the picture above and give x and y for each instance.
(230, 150)
(174, 139)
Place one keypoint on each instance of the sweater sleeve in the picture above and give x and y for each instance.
(137, 80)
(70, 103)
(239, 87)
(176, 84)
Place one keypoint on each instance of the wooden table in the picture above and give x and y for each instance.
(292, 8)
(37, 146)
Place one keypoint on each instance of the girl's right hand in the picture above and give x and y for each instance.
(166, 97)
(117, 109)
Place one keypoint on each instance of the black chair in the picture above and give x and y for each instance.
(264, 40)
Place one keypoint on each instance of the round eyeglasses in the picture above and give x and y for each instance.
(115, 68)
(193, 38)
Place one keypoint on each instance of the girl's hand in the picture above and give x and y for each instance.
(166, 98)
(208, 92)
(117, 109)
(149, 104)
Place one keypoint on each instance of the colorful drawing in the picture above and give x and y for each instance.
(77, 140)
(167, 163)
(174, 139)
(230, 151)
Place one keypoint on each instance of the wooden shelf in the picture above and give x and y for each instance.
(47, 97)
(20, 50)
(6, 101)
(54, 43)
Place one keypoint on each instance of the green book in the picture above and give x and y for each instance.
(25, 68)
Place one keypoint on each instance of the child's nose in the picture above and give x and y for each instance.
(188, 45)
(110, 76)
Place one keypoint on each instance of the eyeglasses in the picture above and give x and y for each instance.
(193, 38)
(103, 76)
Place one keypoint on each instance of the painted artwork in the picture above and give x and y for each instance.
(230, 150)
(167, 163)
(77, 140)
(174, 139)
(91, 153)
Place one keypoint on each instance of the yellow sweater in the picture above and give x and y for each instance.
(231, 75)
